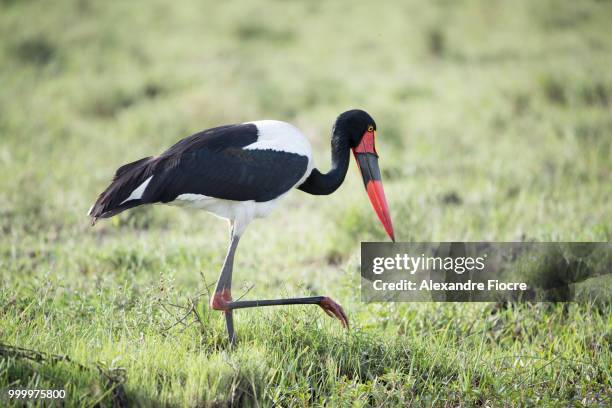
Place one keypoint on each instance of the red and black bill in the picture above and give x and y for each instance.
(367, 160)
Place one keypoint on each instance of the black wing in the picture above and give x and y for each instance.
(212, 163)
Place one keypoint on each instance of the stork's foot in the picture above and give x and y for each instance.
(334, 310)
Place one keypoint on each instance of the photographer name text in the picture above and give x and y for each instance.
(422, 263)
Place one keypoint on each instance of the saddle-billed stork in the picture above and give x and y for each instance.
(240, 172)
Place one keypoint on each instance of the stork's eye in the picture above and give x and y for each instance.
(370, 128)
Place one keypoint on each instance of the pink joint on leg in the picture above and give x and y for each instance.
(221, 300)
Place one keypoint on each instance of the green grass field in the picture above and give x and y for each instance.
(494, 123)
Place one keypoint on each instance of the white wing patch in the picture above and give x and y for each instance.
(137, 193)
(280, 136)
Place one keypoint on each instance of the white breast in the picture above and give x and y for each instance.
(240, 212)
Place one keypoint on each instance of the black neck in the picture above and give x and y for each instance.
(323, 184)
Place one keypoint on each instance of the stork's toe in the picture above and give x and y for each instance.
(333, 309)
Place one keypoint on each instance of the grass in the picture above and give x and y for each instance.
(494, 124)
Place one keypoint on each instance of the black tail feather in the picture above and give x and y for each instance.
(127, 178)
(130, 166)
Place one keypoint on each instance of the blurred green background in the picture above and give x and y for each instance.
(495, 123)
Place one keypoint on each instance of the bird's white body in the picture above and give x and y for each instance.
(272, 135)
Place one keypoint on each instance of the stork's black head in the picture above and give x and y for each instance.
(353, 125)
(360, 129)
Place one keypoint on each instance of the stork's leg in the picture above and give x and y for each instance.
(222, 299)
(330, 307)
(223, 291)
